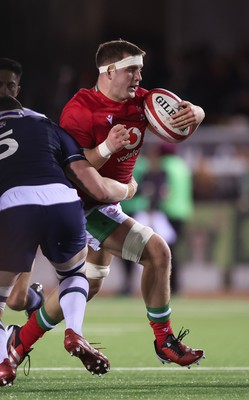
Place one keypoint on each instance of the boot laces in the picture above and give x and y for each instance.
(182, 334)
(26, 366)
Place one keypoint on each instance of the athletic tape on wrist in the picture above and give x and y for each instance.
(104, 150)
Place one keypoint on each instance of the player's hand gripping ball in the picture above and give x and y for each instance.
(159, 106)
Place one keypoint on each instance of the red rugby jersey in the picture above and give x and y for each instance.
(90, 115)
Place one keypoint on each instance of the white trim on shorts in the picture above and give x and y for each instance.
(45, 195)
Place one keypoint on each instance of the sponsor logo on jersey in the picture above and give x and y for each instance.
(128, 155)
(135, 138)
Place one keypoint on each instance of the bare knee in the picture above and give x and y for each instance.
(157, 254)
(19, 295)
(17, 301)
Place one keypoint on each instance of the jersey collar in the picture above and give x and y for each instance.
(17, 113)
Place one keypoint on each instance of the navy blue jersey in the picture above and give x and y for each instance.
(33, 151)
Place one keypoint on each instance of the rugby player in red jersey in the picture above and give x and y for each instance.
(88, 117)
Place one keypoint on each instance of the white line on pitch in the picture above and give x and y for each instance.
(149, 369)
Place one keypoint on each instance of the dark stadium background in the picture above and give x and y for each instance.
(188, 42)
(198, 49)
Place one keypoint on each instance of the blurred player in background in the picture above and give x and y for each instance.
(10, 77)
(178, 205)
(22, 296)
(39, 206)
(88, 117)
(145, 207)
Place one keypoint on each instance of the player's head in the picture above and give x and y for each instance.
(10, 107)
(116, 50)
(120, 64)
(10, 75)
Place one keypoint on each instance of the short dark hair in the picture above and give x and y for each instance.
(110, 52)
(11, 65)
(9, 103)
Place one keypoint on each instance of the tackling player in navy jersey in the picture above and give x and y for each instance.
(23, 296)
(39, 207)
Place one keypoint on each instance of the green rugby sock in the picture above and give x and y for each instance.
(44, 321)
(159, 314)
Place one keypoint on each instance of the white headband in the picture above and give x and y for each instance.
(126, 62)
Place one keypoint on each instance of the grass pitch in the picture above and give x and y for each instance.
(218, 326)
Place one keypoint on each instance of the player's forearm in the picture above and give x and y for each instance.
(116, 191)
(85, 176)
(116, 140)
(95, 158)
(106, 190)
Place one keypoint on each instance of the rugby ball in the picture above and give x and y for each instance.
(159, 106)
